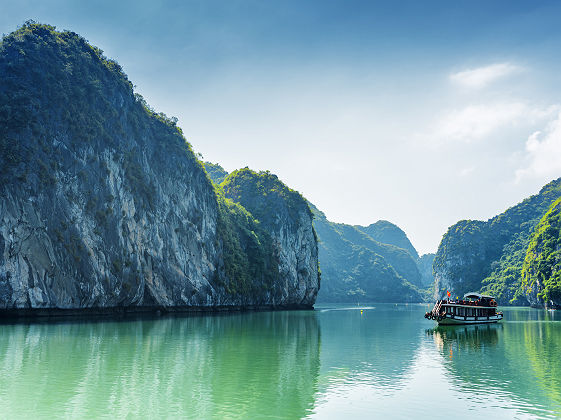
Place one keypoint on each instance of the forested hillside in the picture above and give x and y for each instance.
(541, 271)
(489, 256)
(357, 268)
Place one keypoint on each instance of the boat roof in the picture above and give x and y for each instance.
(473, 295)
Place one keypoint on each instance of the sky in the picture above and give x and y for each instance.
(420, 113)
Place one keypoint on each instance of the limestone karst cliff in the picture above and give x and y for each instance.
(541, 271)
(286, 220)
(103, 203)
(355, 267)
(488, 256)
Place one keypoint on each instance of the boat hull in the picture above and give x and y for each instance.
(465, 320)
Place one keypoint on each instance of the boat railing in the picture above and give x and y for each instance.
(436, 309)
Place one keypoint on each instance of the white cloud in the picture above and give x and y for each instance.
(483, 76)
(476, 122)
(543, 152)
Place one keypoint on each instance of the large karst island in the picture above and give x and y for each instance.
(104, 207)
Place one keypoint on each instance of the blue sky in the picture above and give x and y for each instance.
(421, 113)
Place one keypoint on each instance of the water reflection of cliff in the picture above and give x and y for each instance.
(238, 366)
(517, 359)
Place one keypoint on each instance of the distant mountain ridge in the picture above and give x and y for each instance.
(357, 268)
(388, 233)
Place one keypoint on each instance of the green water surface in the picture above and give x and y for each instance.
(334, 362)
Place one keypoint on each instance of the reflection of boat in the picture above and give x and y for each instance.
(472, 309)
(470, 337)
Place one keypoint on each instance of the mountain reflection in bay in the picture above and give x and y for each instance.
(334, 362)
(232, 366)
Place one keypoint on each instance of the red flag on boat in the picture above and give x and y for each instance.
(448, 292)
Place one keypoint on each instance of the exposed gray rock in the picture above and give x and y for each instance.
(103, 204)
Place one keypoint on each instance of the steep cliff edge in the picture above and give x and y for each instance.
(102, 202)
(284, 222)
(488, 256)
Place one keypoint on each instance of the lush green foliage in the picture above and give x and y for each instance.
(488, 256)
(57, 82)
(216, 173)
(264, 196)
(250, 260)
(252, 204)
(542, 264)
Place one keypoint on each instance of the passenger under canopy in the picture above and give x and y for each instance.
(473, 295)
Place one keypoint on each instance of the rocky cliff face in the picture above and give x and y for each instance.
(425, 268)
(488, 256)
(286, 219)
(102, 201)
(355, 267)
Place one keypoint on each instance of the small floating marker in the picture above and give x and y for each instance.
(361, 311)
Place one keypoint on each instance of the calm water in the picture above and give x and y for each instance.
(333, 362)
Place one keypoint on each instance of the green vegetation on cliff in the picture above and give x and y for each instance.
(264, 195)
(284, 226)
(488, 256)
(57, 80)
(425, 268)
(373, 263)
(216, 173)
(250, 260)
(107, 204)
(400, 259)
(541, 271)
(248, 249)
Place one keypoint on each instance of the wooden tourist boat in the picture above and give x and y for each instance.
(472, 309)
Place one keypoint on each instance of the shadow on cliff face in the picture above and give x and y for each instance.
(243, 365)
